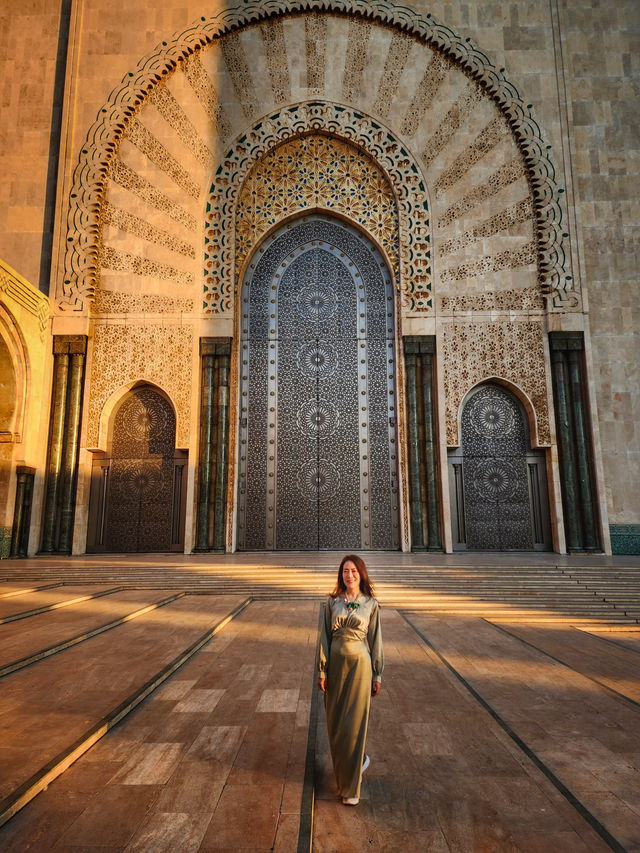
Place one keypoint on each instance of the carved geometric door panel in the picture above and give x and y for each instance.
(137, 494)
(317, 423)
(498, 485)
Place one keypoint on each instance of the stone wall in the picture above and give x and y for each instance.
(601, 47)
(28, 52)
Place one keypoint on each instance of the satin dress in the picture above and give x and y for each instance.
(350, 658)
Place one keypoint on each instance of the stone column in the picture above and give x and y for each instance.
(423, 464)
(62, 455)
(22, 511)
(413, 433)
(430, 444)
(574, 442)
(214, 439)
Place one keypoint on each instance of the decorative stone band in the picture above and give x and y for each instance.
(625, 538)
(87, 192)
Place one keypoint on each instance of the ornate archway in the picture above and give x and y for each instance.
(137, 490)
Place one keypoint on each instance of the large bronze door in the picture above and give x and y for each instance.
(318, 420)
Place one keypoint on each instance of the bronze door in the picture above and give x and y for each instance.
(137, 493)
(317, 423)
(498, 484)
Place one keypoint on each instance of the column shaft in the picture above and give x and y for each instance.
(430, 453)
(567, 461)
(582, 444)
(206, 461)
(413, 434)
(56, 442)
(220, 493)
(70, 456)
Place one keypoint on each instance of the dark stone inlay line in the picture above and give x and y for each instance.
(85, 635)
(615, 643)
(58, 605)
(571, 798)
(615, 693)
(305, 830)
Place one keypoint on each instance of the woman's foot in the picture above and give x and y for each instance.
(350, 801)
(365, 763)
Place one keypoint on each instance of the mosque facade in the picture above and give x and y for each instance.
(319, 274)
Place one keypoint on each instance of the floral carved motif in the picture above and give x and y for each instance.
(354, 129)
(309, 172)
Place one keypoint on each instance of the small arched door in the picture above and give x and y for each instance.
(498, 484)
(137, 492)
(318, 457)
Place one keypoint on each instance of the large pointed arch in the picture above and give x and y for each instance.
(87, 194)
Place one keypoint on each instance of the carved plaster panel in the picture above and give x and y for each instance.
(158, 354)
(473, 352)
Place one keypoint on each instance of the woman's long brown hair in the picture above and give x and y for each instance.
(366, 586)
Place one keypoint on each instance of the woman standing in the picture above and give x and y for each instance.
(350, 663)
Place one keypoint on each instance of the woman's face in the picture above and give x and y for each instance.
(351, 576)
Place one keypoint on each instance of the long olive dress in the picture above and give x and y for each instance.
(350, 658)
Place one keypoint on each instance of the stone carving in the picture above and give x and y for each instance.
(272, 33)
(126, 354)
(401, 171)
(501, 178)
(126, 221)
(115, 117)
(121, 302)
(201, 84)
(309, 172)
(240, 74)
(514, 352)
(434, 74)
(397, 56)
(513, 215)
(315, 38)
(115, 259)
(125, 177)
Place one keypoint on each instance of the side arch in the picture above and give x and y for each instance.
(12, 410)
(110, 407)
(518, 392)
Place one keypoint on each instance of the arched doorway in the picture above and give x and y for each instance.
(137, 492)
(318, 452)
(498, 484)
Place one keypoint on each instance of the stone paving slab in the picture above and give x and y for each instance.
(48, 706)
(584, 735)
(213, 760)
(443, 775)
(47, 598)
(28, 636)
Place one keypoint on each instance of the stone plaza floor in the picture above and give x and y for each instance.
(168, 703)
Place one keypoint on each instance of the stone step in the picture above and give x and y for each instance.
(56, 709)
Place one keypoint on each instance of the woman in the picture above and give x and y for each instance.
(350, 663)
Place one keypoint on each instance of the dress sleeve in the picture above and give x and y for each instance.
(374, 638)
(325, 641)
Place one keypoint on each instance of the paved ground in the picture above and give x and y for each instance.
(497, 728)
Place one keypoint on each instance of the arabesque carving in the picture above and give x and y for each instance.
(80, 268)
(512, 351)
(309, 172)
(355, 128)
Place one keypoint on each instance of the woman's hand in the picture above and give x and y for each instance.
(376, 687)
(322, 684)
